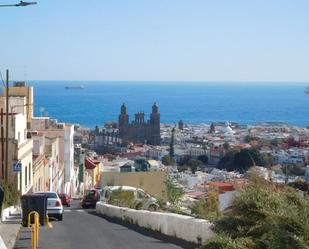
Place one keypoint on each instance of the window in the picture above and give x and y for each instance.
(140, 194)
(49, 195)
(29, 172)
(26, 176)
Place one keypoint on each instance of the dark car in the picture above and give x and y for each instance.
(65, 199)
(91, 198)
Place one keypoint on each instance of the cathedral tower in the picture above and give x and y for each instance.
(123, 120)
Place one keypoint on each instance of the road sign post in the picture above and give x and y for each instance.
(17, 167)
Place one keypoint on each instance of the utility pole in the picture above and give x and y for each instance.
(2, 146)
(7, 128)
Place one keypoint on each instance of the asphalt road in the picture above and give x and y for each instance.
(82, 229)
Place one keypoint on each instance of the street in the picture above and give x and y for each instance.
(84, 229)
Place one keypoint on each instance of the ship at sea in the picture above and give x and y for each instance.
(307, 90)
(74, 87)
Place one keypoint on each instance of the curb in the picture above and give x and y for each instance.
(2, 245)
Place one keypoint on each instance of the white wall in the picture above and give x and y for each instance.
(175, 225)
(68, 158)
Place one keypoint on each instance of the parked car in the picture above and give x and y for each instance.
(142, 199)
(65, 199)
(54, 206)
(91, 198)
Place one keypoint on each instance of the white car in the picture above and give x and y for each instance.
(142, 199)
(54, 206)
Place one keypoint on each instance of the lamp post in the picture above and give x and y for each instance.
(20, 4)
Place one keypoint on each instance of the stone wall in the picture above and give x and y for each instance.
(175, 225)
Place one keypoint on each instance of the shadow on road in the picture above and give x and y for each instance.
(156, 235)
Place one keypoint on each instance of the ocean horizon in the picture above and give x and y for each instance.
(193, 102)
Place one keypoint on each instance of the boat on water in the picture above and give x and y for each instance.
(307, 90)
(74, 87)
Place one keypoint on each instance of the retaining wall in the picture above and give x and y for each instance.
(7, 212)
(175, 225)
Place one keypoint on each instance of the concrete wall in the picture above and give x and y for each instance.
(6, 213)
(152, 182)
(175, 225)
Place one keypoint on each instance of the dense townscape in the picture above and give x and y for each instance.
(183, 170)
(154, 124)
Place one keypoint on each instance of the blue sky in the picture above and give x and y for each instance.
(219, 40)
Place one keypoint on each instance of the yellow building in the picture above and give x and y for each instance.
(92, 173)
(41, 177)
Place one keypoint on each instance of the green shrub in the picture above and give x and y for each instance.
(225, 242)
(173, 192)
(11, 194)
(122, 198)
(209, 209)
(269, 217)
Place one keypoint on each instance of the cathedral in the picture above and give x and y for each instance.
(139, 130)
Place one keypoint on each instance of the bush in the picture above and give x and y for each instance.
(208, 210)
(168, 160)
(225, 242)
(265, 216)
(301, 185)
(242, 160)
(11, 194)
(173, 192)
(122, 198)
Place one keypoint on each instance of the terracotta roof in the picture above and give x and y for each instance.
(90, 164)
(220, 184)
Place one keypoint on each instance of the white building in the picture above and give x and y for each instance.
(65, 134)
(19, 145)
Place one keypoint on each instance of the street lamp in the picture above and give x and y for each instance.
(20, 4)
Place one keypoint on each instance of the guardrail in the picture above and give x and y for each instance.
(175, 225)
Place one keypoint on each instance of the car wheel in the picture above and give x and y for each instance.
(152, 208)
(68, 205)
(60, 217)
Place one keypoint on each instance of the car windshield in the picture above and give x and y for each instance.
(91, 194)
(51, 195)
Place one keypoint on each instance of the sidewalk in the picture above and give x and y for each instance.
(23, 239)
(9, 230)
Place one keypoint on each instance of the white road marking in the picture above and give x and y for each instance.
(67, 210)
(80, 210)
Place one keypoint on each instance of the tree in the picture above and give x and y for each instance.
(184, 160)
(203, 159)
(268, 159)
(172, 152)
(207, 209)
(241, 161)
(168, 160)
(174, 193)
(227, 162)
(226, 146)
(263, 217)
(194, 164)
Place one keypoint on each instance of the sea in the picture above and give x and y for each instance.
(192, 102)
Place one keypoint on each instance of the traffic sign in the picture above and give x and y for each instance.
(17, 166)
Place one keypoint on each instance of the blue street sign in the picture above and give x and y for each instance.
(17, 166)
